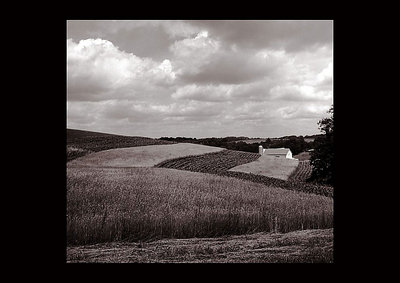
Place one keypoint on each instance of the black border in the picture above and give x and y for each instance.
(341, 207)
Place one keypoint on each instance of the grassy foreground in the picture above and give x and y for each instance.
(138, 204)
(307, 246)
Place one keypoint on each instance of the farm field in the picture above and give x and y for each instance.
(215, 162)
(306, 246)
(270, 166)
(179, 202)
(220, 162)
(302, 172)
(132, 204)
(141, 156)
(80, 143)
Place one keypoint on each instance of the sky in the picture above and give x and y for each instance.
(199, 78)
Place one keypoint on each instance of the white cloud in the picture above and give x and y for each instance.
(299, 93)
(168, 78)
(178, 29)
(192, 53)
(201, 46)
(98, 70)
(303, 111)
(216, 93)
(326, 73)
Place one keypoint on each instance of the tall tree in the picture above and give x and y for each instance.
(322, 158)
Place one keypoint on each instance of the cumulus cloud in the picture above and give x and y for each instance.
(229, 68)
(98, 70)
(203, 59)
(127, 35)
(199, 78)
(216, 93)
(304, 111)
(299, 93)
(190, 54)
(292, 36)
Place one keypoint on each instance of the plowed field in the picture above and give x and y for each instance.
(220, 162)
(302, 172)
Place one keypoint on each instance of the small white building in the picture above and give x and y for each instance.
(276, 152)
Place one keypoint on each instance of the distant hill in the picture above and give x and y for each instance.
(80, 143)
(73, 134)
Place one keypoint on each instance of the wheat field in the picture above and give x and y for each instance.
(133, 204)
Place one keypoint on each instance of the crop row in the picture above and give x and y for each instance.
(214, 162)
(220, 162)
(302, 172)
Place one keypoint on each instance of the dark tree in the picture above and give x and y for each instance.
(322, 158)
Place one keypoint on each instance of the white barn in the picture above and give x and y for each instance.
(276, 152)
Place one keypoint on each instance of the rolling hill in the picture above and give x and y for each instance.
(133, 199)
(141, 156)
(80, 143)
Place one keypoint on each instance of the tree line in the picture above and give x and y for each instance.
(321, 158)
(296, 144)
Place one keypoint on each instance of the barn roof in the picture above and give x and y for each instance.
(276, 151)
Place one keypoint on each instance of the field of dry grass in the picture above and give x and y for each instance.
(270, 166)
(119, 212)
(306, 246)
(131, 204)
(141, 156)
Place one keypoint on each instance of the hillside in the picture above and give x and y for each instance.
(133, 204)
(220, 162)
(73, 134)
(80, 143)
(141, 156)
(126, 202)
